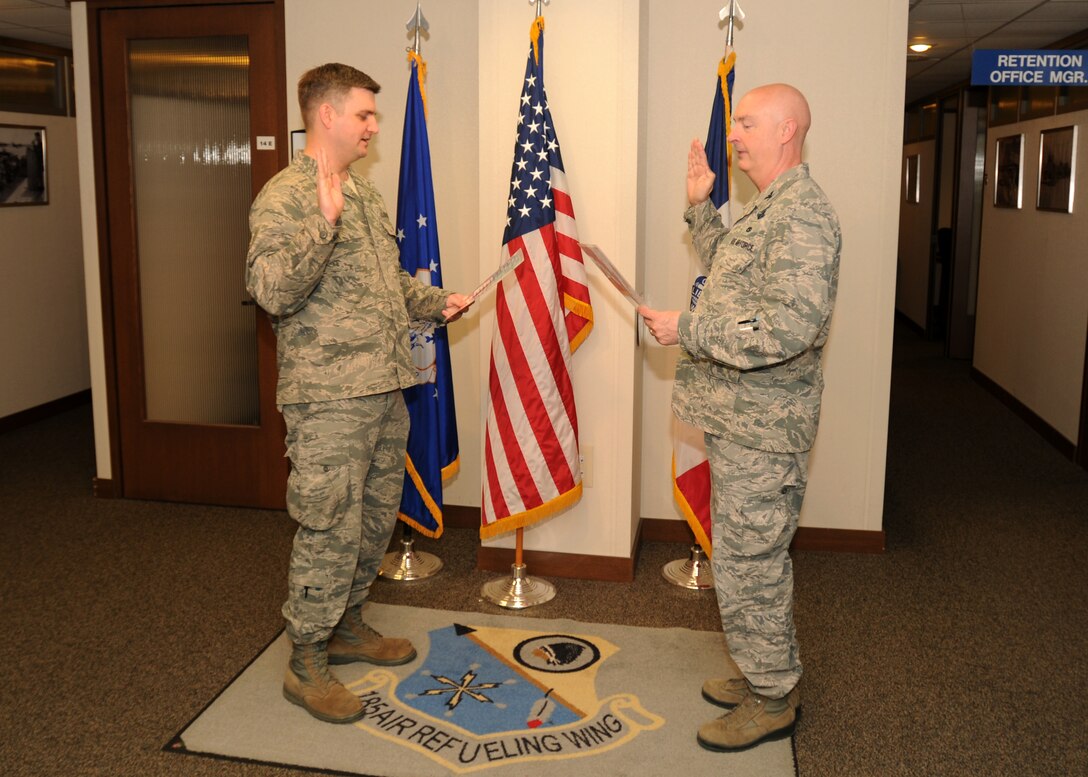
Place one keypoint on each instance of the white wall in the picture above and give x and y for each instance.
(915, 234)
(1033, 286)
(372, 37)
(856, 95)
(630, 83)
(43, 317)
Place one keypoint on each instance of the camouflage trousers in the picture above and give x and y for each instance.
(756, 501)
(347, 472)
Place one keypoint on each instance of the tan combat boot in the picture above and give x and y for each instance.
(726, 692)
(309, 685)
(756, 719)
(353, 640)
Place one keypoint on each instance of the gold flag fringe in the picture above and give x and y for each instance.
(724, 68)
(421, 74)
(529, 517)
(535, 32)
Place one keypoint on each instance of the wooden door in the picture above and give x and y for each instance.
(186, 92)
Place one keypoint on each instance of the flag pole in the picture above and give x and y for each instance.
(519, 590)
(407, 564)
(415, 24)
(695, 571)
(733, 12)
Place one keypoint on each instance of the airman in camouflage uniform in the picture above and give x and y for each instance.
(323, 262)
(749, 376)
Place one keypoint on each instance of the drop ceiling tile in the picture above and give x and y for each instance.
(38, 16)
(977, 28)
(1055, 29)
(936, 13)
(1072, 12)
(946, 29)
(991, 11)
(1019, 40)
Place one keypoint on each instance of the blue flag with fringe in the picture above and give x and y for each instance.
(718, 151)
(432, 442)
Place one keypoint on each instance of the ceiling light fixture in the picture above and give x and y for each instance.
(920, 47)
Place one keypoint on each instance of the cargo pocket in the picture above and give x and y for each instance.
(310, 585)
(769, 520)
(318, 492)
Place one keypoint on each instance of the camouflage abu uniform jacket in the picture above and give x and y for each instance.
(749, 368)
(339, 300)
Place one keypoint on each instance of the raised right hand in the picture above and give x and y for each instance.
(330, 195)
(700, 176)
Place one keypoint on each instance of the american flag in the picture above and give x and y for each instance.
(542, 315)
(690, 468)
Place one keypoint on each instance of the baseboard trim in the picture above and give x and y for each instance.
(43, 411)
(662, 530)
(616, 569)
(103, 488)
(838, 540)
(578, 566)
(461, 517)
(806, 538)
(1029, 416)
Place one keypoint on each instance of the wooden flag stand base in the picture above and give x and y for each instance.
(407, 563)
(518, 591)
(693, 572)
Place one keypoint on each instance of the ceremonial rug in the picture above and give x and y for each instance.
(494, 695)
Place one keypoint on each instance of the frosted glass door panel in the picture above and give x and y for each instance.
(189, 102)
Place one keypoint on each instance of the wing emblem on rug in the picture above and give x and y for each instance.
(482, 696)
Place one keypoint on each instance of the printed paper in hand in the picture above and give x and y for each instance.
(613, 274)
(495, 277)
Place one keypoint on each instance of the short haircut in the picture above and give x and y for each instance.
(330, 84)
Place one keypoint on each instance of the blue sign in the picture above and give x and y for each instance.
(1044, 67)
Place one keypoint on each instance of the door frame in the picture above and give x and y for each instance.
(1080, 455)
(114, 486)
(959, 341)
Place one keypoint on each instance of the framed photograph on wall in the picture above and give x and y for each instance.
(1057, 166)
(298, 141)
(1009, 172)
(37, 79)
(24, 176)
(913, 178)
